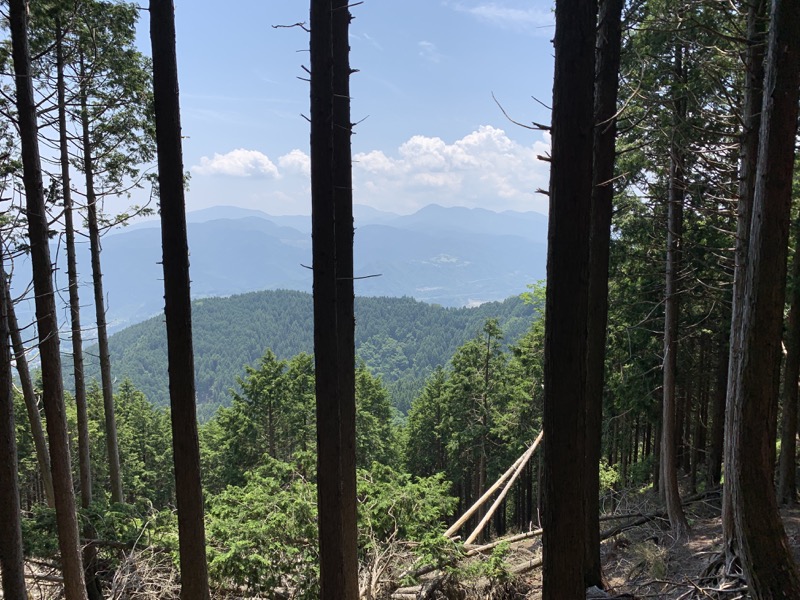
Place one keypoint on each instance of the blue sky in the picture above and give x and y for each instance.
(427, 71)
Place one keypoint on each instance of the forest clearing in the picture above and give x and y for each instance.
(627, 428)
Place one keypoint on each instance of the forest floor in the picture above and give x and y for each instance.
(639, 557)
(644, 561)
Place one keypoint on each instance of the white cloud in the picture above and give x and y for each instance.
(501, 14)
(428, 51)
(296, 161)
(237, 163)
(485, 168)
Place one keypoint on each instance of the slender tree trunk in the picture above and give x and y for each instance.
(84, 458)
(112, 445)
(12, 561)
(714, 462)
(177, 304)
(766, 557)
(609, 35)
(670, 430)
(567, 301)
(50, 354)
(31, 404)
(753, 94)
(787, 466)
(345, 317)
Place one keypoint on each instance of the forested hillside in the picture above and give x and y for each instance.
(400, 339)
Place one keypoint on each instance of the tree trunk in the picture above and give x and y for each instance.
(112, 445)
(766, 556)
(50, 354)
(84, 459)
(566, 311)
(714, 463)
(345, 317)
(787, 483)
(12, 561)
(609, 35)
(670, 431)
(177, 304)
(31, 404)
(330, 499)
(748, 157)
(93, 588)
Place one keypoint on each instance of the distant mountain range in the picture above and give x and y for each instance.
(448, 256)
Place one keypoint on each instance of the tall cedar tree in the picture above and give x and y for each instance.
(567, 300)
(84, 457)
(177, 309)
(676, 193)
(748, 157)
(337, 576)
(49, 344)
(609, 39)
(112, 443)
(766, 556)
(12, 561)
(345, 317)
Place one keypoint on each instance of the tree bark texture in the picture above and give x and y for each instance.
(177, 304)
(766, 557)
(609, 36)
(748, 157)
(12, 561)
(567, 300)
(670, 423)
(49, 345)
(335, 566)
(345, 295)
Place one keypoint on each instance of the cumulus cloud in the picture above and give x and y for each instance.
(296, 161)
(485, 168)
(237, 163)
(501, 14)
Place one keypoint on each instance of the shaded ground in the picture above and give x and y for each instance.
(646, 562)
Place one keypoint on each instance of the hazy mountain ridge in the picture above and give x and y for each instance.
(450, 256)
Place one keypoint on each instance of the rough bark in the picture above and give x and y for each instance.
(787, 466)
(609, 35)
(31, 404)
(669, 428)
(49, 344)
(567, 300)
(763, 546)
(112, 445)
(345, 317)
(748, 156)
(177, 304)
(12, 561)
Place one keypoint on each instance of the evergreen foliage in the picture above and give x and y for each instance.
(399, 339)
